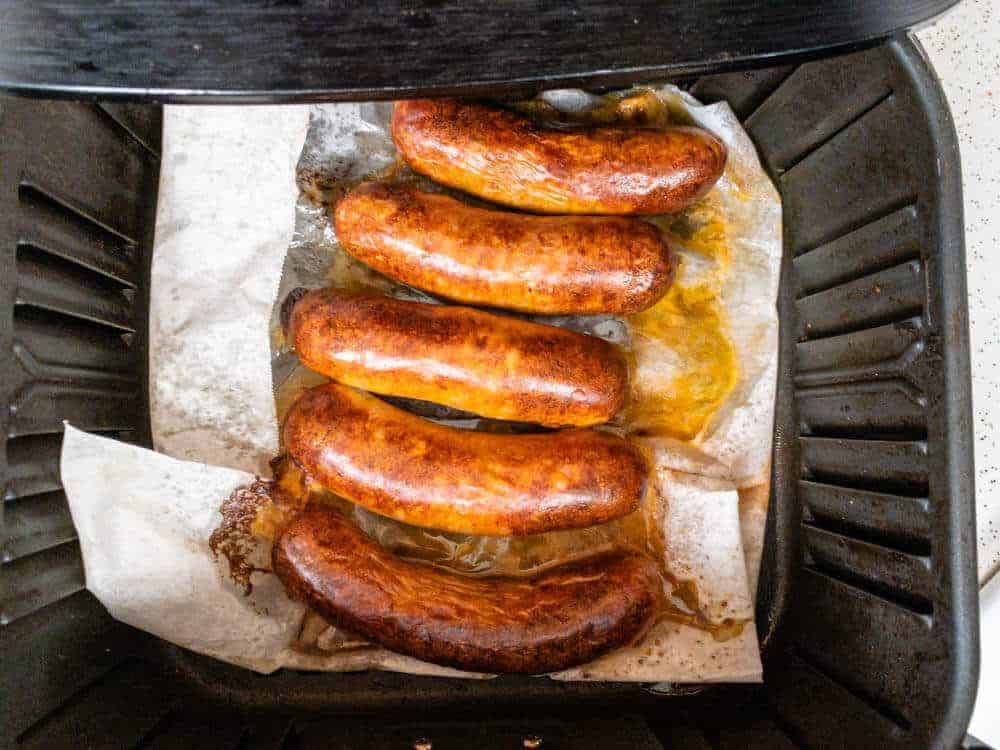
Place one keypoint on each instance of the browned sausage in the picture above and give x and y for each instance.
(505, 157)
(491, 365)
(563, 617)
(417, 471)
(562, 265)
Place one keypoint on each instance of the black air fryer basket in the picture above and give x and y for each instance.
(867, 601)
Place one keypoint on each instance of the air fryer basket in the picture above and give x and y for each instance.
(867, 601)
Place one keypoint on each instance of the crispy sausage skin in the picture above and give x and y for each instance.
(427, 474)
(563, 617)
(505, 157)
(563, 265)
(467, 359)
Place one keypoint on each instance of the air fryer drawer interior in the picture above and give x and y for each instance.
(866, 606)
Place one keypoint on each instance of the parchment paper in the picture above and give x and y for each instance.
(226, 219)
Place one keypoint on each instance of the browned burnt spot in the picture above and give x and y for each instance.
(637, 107)
(254, 515)
(684, 606)
(288, 305)
(318, 185)
(234, 538)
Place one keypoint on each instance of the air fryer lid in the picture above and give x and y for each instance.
(265, 51)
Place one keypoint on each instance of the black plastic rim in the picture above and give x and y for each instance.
(267, 52)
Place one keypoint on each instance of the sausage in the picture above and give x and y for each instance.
(564, 265)
(507, 158)
(491, 365)
(565, 616)
(427, 474)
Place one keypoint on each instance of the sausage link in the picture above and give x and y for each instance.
(426, 474)
(505, 157)
(467, 359)
(563, 617)
(556, 265)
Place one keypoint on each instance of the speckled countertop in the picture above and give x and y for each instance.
(964, 48)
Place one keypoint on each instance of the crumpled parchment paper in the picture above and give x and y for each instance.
(144, 520)
(226, 219)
